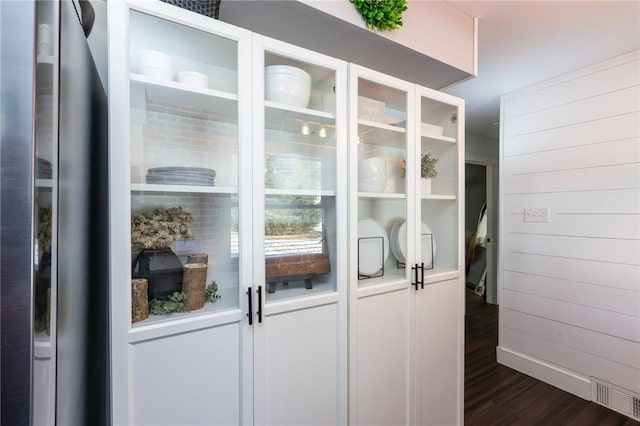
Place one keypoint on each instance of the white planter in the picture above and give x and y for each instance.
(425, 186)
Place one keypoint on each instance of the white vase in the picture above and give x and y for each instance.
(425, 186)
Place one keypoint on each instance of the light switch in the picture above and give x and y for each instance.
(536, 214)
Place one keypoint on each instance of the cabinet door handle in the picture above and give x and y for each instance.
(259, 291)
(422, 275)
(250, 300)
(415, 276)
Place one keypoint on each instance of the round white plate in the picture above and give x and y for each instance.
(395, 245)
(372, 255)
(402, 241)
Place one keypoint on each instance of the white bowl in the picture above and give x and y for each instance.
(194, 79)
(288, 85)
(375, 166)
(372, 183)
(156, 64)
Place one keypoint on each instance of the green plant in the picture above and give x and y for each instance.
(211, 292)
(175, 303)
(428, 166)
(381, 15)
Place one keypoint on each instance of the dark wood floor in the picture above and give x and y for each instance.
(498, 395)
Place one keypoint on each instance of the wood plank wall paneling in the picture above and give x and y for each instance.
(570, 288)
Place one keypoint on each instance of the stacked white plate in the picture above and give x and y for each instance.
(398, 242)
(373, 246)
(181, 176)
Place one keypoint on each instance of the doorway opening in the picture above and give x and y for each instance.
(480, 220)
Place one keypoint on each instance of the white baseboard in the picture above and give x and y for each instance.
(554, 375)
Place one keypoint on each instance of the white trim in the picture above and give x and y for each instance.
(559, 377)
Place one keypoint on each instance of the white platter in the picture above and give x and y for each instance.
(399, 237)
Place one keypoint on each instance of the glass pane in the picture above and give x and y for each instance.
(438, 245)
(45, 169)
(300, 178)
(184, 171)
(382, 206)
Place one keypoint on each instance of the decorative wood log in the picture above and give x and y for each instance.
(193, 284)
(47, 313)
(198, 258)
(139, 299)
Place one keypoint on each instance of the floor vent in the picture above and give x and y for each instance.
(616, 398)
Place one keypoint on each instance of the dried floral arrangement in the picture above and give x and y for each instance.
(44, 228)
(159, 228)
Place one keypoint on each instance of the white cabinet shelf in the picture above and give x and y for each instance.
(174, 93)
(381, 126)
(437, 138)
(438, 197)
(183, 189)
(276, 110)
(382, 195)
(304, 192)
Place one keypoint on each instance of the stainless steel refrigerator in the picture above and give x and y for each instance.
(54, 353)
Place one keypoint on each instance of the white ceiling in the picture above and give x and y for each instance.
(524, 42)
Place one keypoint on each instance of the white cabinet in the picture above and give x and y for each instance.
(406, 275)
(166, 137)
(298, 222)
(439, 303)
(381, 317)
(262, 200)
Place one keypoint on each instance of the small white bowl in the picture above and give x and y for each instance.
(193, 79)
(288, 85)
(156, 64)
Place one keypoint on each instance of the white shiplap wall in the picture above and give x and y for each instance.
(570, 288)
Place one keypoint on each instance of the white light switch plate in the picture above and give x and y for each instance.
(536, 214)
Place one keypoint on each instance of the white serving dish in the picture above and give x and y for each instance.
(193, 79)
(288, 85)
(156, 64)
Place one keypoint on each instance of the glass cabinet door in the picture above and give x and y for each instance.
(382, 168)
(300, 158)
(438, 164)
(184, 144)
(45, 213)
